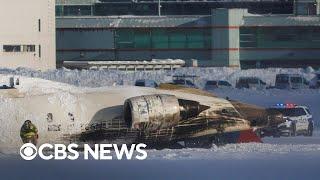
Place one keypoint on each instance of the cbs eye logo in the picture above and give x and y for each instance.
(28, 151)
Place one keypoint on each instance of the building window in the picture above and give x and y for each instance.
(284, 37)
(142, 39)
(125, 39)
(39, 50)
(163, 38)
(12, 48)
(19, 48)
(39, 25)
(160, 39)
(28, 48)
(248, 38)
(177, 39)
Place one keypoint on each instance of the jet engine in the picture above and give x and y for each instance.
(153, 112)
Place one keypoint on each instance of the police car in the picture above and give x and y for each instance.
(298, 120)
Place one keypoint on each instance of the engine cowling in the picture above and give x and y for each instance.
(152, 112)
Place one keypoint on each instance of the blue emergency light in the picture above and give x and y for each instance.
(286, 105)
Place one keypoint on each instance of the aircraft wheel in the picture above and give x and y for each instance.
(259, 133)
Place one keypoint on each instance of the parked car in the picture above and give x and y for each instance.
(298, 121)
(316, 84)
(291, 81)
(213, 84)
(318, 80)
(184, 80)
(146, 83)
(250, 83)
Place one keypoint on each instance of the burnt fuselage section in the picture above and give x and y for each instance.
(162, 120)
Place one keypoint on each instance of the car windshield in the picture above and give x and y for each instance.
(224, 83)
(290, 112)
(140, 83)
(179, 81)
(262, 82)
(211, 83)
(248, 80)
(282, 79)
(253, 81)
(308, 111)
(189, 83)
(296, 79)
(150, 84)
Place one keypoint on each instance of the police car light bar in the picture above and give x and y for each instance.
(286, 105)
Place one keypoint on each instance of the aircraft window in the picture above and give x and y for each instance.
(50, 117)
(71, 116)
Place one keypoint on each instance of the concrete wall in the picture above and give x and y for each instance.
(129, 55)
(225, 36)
(20, 26)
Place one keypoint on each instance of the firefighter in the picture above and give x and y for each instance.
(29, 133)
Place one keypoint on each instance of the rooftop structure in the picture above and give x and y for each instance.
(228, 37)
(171, 7)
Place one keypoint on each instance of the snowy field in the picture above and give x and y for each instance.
(92, 78)
(276, 158)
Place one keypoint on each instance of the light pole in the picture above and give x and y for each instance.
(159, 7)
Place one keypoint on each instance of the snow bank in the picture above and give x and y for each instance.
(99, 78)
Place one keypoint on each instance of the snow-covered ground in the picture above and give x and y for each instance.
(276, 158)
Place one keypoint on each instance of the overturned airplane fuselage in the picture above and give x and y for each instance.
(156, 117)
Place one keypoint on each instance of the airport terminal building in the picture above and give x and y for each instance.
(244, 33)
(225, 37)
